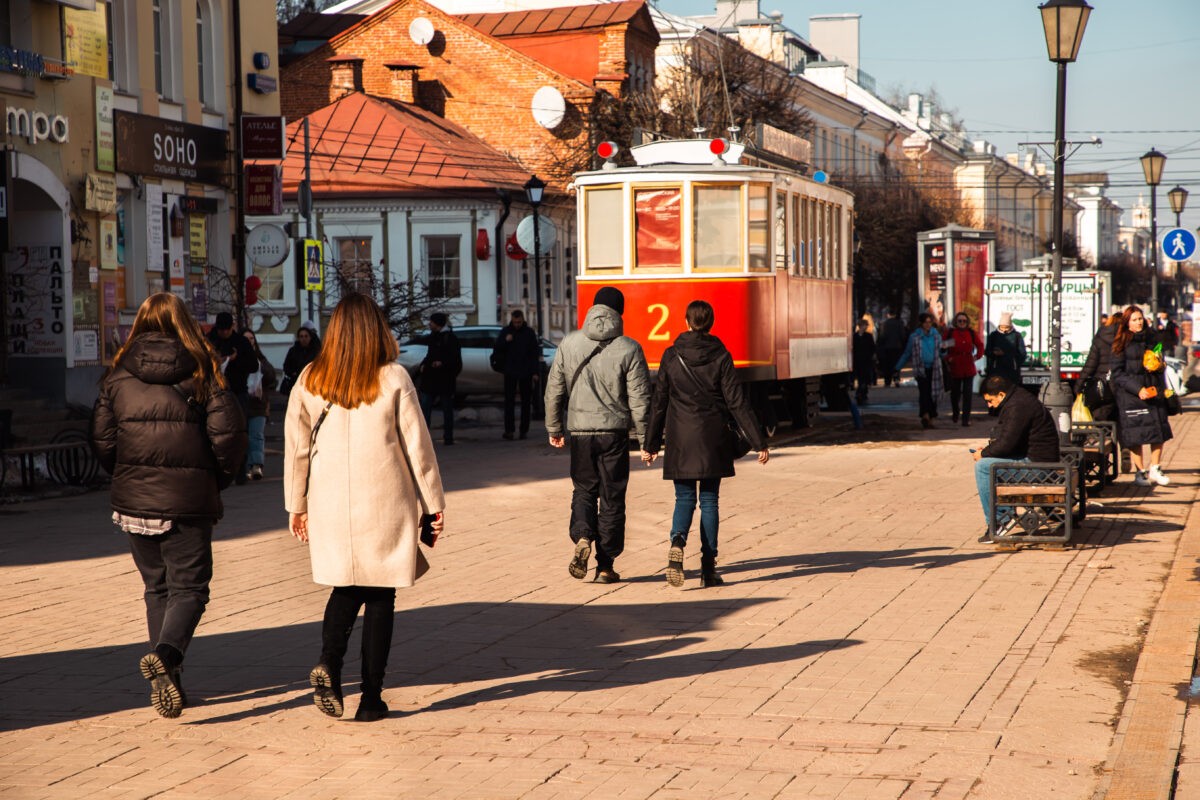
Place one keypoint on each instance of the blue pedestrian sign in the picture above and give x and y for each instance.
(1179, 244)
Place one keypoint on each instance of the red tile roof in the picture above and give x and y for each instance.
(553, 20)
(370, 146)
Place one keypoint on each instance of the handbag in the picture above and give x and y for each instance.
(1097, 392)
(736, 441)
(1174, 404)
(254, 384)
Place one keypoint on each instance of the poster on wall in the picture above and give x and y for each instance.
(935, 286)
(108, 244)
(36, 301)
(197, 239)
(86, 346)
(657, 213)
(154, 226)
(106, 158)
(85, 41)
(970, 263)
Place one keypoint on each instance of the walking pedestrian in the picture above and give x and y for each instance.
(891, 340)
(1094, 379)
(863, 353)
(965, 348)
(600, 381)
(1140, 385)
(300, 355)
(359, 472)
(925, 349)
(172, 437)
(1024, 432)
(518, 354)
(438, 373)
(258, 409)
(238, 363)
(1005, 350)
(696, 396)
(1168, 334)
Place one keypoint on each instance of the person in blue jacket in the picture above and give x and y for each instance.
(924, 348)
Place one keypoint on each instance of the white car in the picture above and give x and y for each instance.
(477, 376)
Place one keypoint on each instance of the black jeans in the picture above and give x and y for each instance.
(445, 401)
(600, 473)
(888, 356)
(511, 384)
(961, 388)
(928, 403)
(176, 568)
(340, 612)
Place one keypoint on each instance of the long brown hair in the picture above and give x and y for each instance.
(165, 313)
(1123, 333)
(357, 343)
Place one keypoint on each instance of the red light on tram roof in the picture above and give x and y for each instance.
(606, 149)
(719, 147)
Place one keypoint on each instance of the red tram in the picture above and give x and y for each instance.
(768, 248)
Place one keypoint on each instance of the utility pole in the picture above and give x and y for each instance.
(239, 170)
(304, 196)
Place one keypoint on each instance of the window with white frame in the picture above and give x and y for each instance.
(166, 49)
(122, 49)
(441, 257)
(205, 87)
(354, 264)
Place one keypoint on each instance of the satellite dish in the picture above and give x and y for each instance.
(548, 107)
(547, 235)
(420, 30)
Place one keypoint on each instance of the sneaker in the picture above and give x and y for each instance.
(327, 690)
(1005, 528)
(164, 693)
(1155, 474)
(1140, 479)
(675, 562)
(579, 562)
(256, 472)
(606, 576)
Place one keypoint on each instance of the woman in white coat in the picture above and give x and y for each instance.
(359, 472)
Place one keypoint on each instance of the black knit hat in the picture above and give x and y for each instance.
(224, 321)
(610, 296)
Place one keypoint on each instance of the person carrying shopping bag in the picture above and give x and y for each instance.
(359, 475)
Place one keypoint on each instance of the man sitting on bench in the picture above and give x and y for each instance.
(1024, 432)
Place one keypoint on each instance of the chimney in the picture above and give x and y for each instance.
(405, 78)
(346, 74)
(836, 36)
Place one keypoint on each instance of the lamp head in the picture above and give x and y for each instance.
(1178, 197)
(534, 188)
(1152, 166)
(1064, 22)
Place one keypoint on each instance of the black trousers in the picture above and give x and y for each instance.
(340, 612)
(600, 473)
(888, 356)
(445, 401)
(176, 568)
(960, 393)
(511, 384)
(927, 402)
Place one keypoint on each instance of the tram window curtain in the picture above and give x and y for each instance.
(717, 243)
(604, 225)
(760, 226)
(658, 216)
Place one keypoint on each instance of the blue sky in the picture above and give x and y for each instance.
(1136, 84)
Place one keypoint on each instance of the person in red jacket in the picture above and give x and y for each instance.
(963, 347)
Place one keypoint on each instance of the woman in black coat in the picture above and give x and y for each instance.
(1141, 397)
(1093, 378)
(302, 353)
(172, 436)
(697, 393)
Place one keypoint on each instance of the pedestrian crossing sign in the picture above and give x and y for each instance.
(1179, 244)
(314, 266)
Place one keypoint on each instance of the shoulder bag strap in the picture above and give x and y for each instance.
(312, 444)
(585, 362)
(192, 403)
(718, 397)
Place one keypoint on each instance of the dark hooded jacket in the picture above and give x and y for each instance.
(1100, 356)
(691, 407)
(1139, 421)
(169, 459)
(1024, 430)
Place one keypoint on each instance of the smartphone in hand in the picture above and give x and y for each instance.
(428, 537)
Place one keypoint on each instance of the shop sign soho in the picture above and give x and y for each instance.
(167, 149)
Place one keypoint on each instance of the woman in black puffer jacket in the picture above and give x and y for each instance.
(172, 437)
(1141, 397)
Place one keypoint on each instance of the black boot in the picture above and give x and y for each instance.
(326, 676)
(675, 560)
(376, 644)
(708, 572)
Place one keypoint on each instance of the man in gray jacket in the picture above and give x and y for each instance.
(601, 377)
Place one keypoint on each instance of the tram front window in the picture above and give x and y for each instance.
(657, 214)
(717, 212)
(604, 242)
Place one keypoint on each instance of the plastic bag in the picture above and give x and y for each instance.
(254, 384)
(1079, 411)
(1152, 359)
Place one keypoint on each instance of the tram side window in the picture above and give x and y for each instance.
(830, 242)
(717, 211)
(760, 230)
(811, 237)
(659, 229)
(781, 231)
(605, 226)
(797, 239)
(837, 243)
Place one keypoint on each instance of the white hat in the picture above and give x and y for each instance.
(308, 323)
(1006, 318)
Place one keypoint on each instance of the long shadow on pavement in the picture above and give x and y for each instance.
(802, 564)
(519, 648)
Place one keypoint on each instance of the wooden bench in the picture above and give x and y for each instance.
(1041, 501)
(1102, 455)
(68, 457)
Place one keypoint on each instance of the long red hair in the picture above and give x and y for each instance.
(357, 344)
(1123, 333)
(165, 313)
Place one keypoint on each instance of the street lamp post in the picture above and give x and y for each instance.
(1178, 197)
(1064, 22)
(534, 188)
(1152, 167)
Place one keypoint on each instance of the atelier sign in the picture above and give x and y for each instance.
(263, 137)
(167, 149)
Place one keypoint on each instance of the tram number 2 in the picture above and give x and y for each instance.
(657, 334)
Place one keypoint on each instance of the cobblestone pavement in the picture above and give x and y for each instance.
(865, 646)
